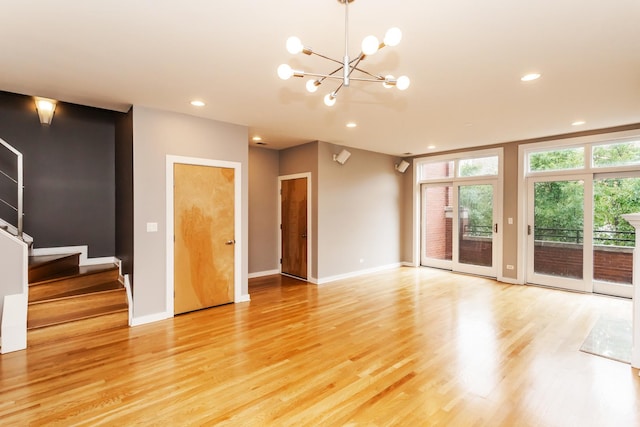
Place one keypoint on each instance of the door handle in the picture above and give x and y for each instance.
(304, 236)
(229, 242)
(495, 227)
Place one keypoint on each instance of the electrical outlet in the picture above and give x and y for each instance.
(509, 267)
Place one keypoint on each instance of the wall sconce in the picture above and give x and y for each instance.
(341, 157)
(46, 108)
(402, 166)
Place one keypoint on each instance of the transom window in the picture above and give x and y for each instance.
(596, 156)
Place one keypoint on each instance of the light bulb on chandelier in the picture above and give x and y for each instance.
(370, 45)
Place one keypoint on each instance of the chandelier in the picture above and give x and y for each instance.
(370, 45)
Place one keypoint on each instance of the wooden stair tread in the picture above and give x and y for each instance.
(60, 318)
(66, 293)
(78, 271)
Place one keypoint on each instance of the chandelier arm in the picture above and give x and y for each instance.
(326, 57)
(325, 76)
(360, 79)
(368, 73)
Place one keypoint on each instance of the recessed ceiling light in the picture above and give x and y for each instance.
(578, 123)
(530, 77)
(256, 138)
(351, 125)
(431, 147)
(197, 103)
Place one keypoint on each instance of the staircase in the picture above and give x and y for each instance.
(67, 300)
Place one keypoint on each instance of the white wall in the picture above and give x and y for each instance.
(157, 134)
(13, 268)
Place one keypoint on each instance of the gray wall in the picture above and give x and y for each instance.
(359, 211)
(157, 134)
(263, 210)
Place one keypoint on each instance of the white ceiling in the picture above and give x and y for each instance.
(464, 57)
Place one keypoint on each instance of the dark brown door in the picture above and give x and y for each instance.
(294, 227)
(204, 236)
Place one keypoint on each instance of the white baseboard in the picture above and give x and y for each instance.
(358, 273)
(408, 264)
(243, 298)
(263, 273)
(82, 250)
(150, 318)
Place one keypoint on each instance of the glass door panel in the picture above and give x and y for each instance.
(476, 228)
(475, 221)
(437, 225)
(613, 237)
(556, 233)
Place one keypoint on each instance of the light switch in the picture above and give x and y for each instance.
(510, 221)
(152, 227)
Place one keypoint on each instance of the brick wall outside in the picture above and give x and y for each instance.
(611, 264)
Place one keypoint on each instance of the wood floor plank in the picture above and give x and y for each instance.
(401, 347)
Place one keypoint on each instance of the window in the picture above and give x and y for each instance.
(618, 154)
(435, 170)
(556, 160)
(482, 166)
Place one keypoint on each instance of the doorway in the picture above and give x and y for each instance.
(295, 225)
(459, 226)
(203, 233)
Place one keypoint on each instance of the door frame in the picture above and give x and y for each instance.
(309, 223)
(237, 253)
(580, 285)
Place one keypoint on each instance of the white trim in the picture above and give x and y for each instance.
(237, 254)
(127, 285)
(262, 273)
(358, 273)
(243, 298)
(82, 250)
(150, 318)
(408, 264)
(309, 219)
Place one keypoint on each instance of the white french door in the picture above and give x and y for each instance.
(459, 226)
(559, 213)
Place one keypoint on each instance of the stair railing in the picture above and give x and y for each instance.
(19, 182)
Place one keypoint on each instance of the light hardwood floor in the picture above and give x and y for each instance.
(403, 347)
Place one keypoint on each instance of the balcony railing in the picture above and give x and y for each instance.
(564, 235)
(16, 184)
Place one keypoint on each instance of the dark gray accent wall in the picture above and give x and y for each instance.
(124, 192)
(69, 172)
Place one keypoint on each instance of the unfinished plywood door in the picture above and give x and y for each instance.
(294, 227)
(204, 236)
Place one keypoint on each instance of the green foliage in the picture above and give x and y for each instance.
(570, 158)
(621, 154)
(477, 200)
